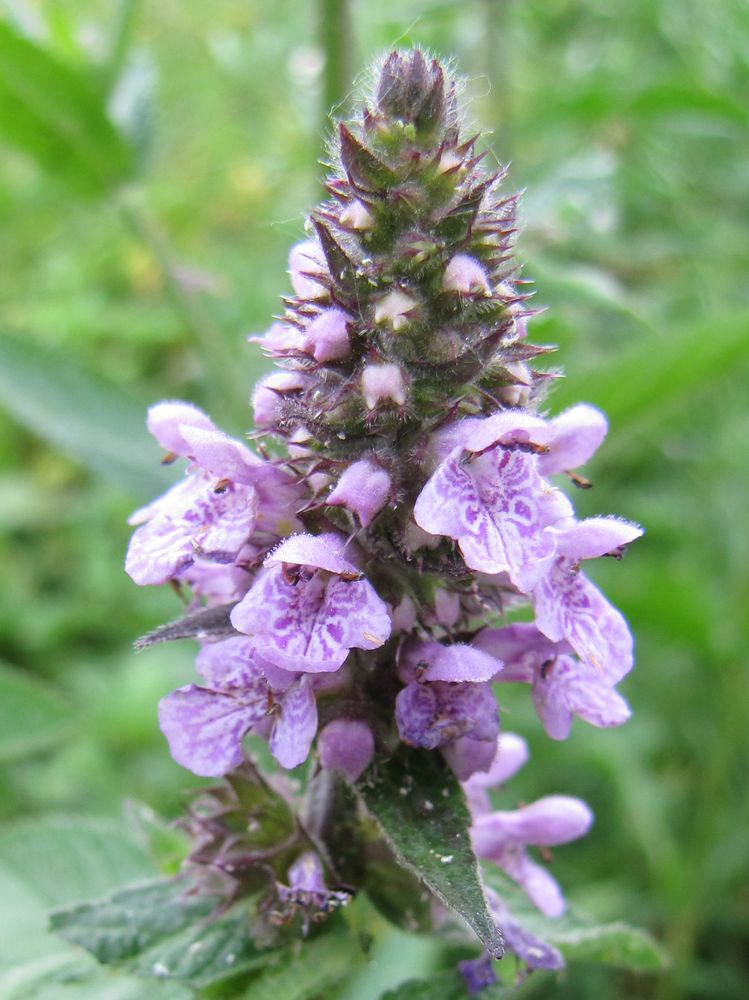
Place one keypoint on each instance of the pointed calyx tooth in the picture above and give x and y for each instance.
(342, 268)
(394, 309)
(383, 382)
(465, 275)
(365, 171)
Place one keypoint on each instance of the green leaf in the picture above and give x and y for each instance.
(578, 937)
(167, 845)
(420, 808)
(310, 969)
(95, 422)
(52, 861)
(661, 374)
(54, 114)
(155, 929)
(32, 715)
(446, 985)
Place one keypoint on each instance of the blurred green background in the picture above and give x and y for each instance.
(136, 257)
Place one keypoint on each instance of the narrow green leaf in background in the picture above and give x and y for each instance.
(662, 373)
(420, 808)
(32, 715)
(91, 420)
(54, 114)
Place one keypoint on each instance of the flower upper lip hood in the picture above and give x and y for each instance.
(309, 623)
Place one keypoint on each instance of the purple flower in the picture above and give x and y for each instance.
(310, 605)
(502, 836)
(346, 745)
(448, 703)
(478, 973)
(431, 715)
(487, 494)
(562, 685)
(307, 892)
(569, 607)
(205, 726)
(211, 514)
(578, 432)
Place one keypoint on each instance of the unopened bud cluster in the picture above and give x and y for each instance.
(365, 574)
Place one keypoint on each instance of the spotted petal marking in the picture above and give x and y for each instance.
(497, 507)
(568, 606)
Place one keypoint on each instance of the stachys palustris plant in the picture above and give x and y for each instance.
(350, 588)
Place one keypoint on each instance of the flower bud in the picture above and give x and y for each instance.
(383, 381)
(363, 489)
(306, 263)
(346, 745)
(356, 215)
(465, 275)
(267, 396)
(327, 335)
(394, 309)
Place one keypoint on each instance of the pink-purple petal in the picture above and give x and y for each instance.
(569, 607)
(168, 420)
(326, 551)
(230, 663)
(577, 433)
(460, 663)
(295, 724)
(497, 508)
(205, 728)
(478, 433)
(595, 536)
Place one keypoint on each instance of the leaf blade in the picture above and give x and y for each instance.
(33, 716)
(54, 114)
(156, 930)
(93, 421)
(417, 803)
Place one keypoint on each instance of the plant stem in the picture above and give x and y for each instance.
(336, 41)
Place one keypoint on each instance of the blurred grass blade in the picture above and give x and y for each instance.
(32, 716)
(54, 114)
(661, 374)
(93, 421)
